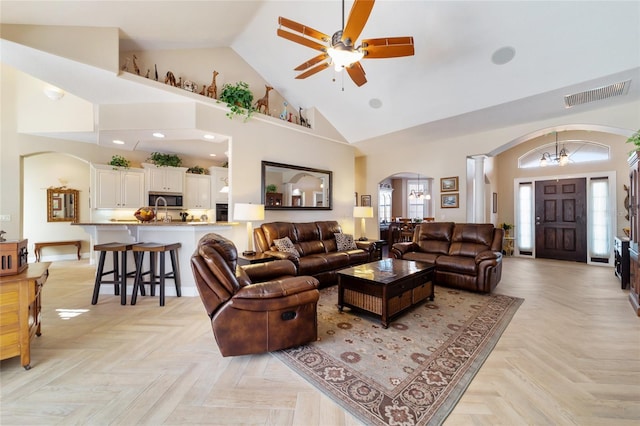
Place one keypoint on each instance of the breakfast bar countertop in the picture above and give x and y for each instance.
(152, 223)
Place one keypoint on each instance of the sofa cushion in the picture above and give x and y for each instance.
(285, 244)
(471, 239)
(434, 237)
(458, 264)
(345, 242)
(337, 259)
(357, 256)
(421, 257)
(311, 265)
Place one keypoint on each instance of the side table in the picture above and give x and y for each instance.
(254, 258)
(508, 246)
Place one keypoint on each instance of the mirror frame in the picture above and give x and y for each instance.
(266, 164)
(50, 204)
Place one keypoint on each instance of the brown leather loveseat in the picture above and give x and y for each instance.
(316, 249)
(466, 255)
(255, 308)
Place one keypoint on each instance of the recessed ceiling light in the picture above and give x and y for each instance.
(158, 135)
(210, 137)
(118, 142)
(503, 55)
(212, 155)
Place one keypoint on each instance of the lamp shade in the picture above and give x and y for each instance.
(248, 212)
(363, 212)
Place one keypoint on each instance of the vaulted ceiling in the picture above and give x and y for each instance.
(460, 79)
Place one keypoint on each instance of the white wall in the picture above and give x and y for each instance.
(53, 170)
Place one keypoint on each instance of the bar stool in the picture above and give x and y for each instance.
(119, 270)
(153, 249)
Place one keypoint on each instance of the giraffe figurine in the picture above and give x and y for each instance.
(212, 91)
(135, 65)
(264, 101)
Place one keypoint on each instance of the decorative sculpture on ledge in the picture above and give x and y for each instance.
(264, 101)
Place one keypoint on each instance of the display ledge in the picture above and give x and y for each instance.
(159, 223)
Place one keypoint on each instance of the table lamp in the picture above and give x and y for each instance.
(362, 212)
(248, 212)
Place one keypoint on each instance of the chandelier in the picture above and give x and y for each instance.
(417, 194)
(561, 157)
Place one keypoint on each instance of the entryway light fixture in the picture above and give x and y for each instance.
(561, 157)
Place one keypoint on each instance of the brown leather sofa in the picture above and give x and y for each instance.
(255, 308)
(316, 244)
(466, 255)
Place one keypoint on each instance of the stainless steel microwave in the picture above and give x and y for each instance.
(174, 201)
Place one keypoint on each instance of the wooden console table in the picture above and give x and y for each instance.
(20, 311)
(39, 246)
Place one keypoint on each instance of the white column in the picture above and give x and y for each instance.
(478, 190)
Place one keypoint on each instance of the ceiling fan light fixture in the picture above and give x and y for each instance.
(343, 56)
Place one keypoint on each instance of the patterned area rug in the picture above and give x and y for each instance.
(412, 373)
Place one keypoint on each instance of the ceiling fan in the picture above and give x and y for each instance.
(340, 49)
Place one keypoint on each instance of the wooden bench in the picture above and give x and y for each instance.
(39, 246)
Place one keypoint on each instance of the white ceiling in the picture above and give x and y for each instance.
(451, 86)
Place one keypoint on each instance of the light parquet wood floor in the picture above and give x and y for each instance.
(570, 356)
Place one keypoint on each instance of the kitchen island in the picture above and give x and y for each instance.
(186, 233)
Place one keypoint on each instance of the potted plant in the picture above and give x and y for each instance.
(271, 188)
(197, 170)
(119, 161)
(507, 228)
(635, 140)
(160, 159)
(238, 98)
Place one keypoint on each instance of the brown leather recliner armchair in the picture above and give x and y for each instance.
(256, 308)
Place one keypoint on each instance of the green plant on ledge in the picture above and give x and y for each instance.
(238, 98)
(119, 161)
(160, 159)
(635, 139)
(197, 170)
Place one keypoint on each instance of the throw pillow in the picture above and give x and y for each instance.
(285, 244)
(345, 242)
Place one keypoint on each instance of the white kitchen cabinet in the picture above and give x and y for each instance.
(220, 179)
(117, 187)
(197, 194)
(164, 179)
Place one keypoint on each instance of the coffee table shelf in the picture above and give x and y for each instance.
(386, 287)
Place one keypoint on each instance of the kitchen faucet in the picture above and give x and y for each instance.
(155, 210)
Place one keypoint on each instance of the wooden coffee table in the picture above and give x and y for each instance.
(386, 287)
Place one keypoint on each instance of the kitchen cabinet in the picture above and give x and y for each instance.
(197, 194)
(220, 179)
(165, 179)
(116, 187)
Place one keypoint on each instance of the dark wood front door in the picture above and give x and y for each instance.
(561, 219)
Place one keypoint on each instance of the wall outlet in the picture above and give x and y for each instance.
(5, 218)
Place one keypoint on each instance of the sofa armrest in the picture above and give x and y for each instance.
(367, 246)
(283, 255)
(399, 249)
(261, 272)
(278, 288)
(488, 255)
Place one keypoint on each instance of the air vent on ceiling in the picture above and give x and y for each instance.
(598, 94)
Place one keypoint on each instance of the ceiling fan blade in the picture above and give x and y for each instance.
(303, 29)
(356, 72)
(301, 40)
(313, 70)
(358, 17)
(321, 57)
(391, 47)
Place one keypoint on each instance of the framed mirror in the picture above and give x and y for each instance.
(62, 205)
(295, 187)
